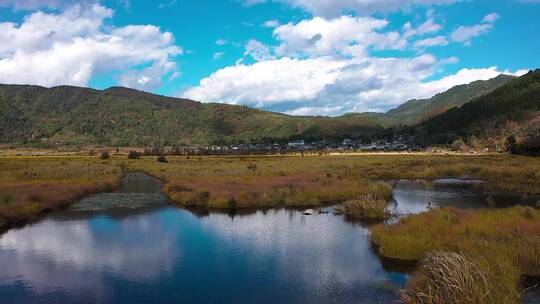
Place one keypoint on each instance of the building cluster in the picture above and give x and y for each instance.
(398, 143)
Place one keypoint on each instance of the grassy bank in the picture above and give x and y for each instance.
(270, 181)
(32, 185)
(503, 243)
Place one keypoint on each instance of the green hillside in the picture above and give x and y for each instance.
(417, 111)
(512, 109)
(125, 117)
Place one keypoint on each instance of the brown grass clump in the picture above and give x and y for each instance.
(447, 277)
(505, 242)
(366, 207)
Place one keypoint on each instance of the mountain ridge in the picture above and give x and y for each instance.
(65, 115)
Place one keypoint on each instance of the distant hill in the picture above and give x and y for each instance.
(125, 117)
(512, 109)
(417, 111)
(33, 115)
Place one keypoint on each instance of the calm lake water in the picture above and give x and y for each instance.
(132, 247)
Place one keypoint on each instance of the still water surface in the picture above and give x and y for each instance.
(132, 247)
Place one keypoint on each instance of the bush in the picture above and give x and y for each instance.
(252, 167)
(104, 155)
(162, 159)
(134, 155)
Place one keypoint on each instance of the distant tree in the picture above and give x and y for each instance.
(134, 155)
(511, 144)
(458, 145)
(104, 155)
(475, 143)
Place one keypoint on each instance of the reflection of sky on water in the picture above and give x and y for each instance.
(162, 254)
(322, 251)
(170, 255)
(414, 196)
(75, 256)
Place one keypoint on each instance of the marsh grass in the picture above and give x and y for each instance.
(448, 277)
(270, 181)
(370, 207)
(506, 243)
(32, 185)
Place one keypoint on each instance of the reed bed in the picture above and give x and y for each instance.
(370, 207)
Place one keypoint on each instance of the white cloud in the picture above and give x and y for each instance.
(330, 86)
(326, 67)
(432, 41)
(217, 55)
(221, 41)
(490, 18)
(346, 35)
(465, 34)
(428, 27)
(465, 76)
(333, 8)
(74, 45)
(34, 4)
(271, 23)
(258, 50)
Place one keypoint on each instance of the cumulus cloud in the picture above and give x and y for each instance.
(325, 66)
(465, 34)
(258, 50)
(72, 46)
(346, 35)
(333, 8)
(330, 86)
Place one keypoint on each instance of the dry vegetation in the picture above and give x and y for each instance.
(224, 182)
(32, 185)
(505, 244)
(367, 207)
(447, 277)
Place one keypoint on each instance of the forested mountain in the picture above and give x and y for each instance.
(511, 110)
(418, 110)
(33, 115)
(126, 117)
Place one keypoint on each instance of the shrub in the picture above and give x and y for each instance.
(162, 159)
(104, 155)
(252, 167)
(134, 155)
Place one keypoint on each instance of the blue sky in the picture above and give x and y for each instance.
(303, 57)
